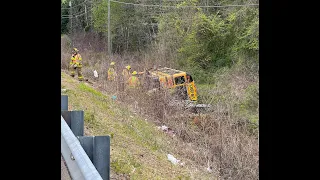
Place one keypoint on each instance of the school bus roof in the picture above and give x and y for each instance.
(168, 71)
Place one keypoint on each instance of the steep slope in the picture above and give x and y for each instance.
(138, 148)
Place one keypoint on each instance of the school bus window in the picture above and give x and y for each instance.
(189, 78)
(179, 80)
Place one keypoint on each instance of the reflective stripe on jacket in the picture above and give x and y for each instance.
(76, 59)
(111, 74)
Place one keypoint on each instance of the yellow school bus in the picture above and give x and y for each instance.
(176, 80)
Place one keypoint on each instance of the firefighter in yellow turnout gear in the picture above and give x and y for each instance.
(76, 64)
(124, 78)
(126, 73)
(111, 72)
(133, 81)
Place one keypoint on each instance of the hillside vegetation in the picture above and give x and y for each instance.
(218, 46)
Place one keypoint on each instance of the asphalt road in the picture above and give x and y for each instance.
(64, 170)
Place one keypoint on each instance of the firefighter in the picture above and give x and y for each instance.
(124, 78)
(126, 73)
(76, 64)
(133, 81)
(111, 72)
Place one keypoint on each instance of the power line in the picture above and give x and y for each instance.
(75, 16)
(153, 5)
(64, 17)
(76, 5)
(149, 5)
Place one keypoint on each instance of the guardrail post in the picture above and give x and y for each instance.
(87, 144)
(64, 102)
(75, 120)
(98, 150)
(101, 155)
(79, 164)
(67, 117)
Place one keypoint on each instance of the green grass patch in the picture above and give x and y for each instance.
(121, 166)
(86, 88)
(131, 135)
(90, 118)
(183, 177)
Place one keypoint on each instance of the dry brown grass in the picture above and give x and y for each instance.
(221, 139)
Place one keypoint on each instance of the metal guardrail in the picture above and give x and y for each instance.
(78, 162)
(87, 157)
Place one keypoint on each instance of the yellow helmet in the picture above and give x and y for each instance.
(112, 63)
(128, 67)
(75, 49)
(134, 73)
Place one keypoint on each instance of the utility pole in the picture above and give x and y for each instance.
(109, 31)
(207, 5)
(70, 15)
(85, 11)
